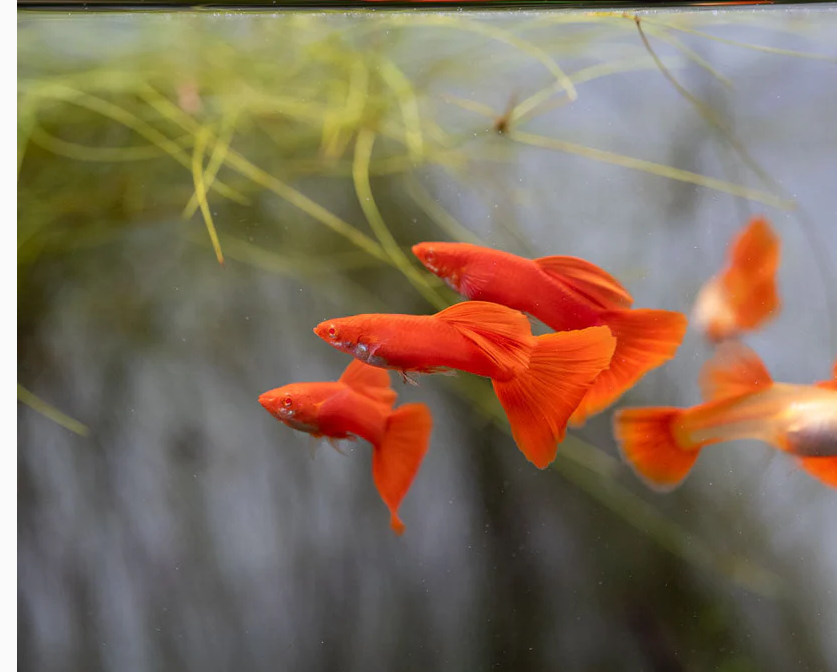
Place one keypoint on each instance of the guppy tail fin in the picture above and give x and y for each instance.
(750, 280)
(539, 400)
(645, 339)
(648, 443)
(743, 296)
(396, 461)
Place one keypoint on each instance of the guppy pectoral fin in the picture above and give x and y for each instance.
(313, 444)
(407, 379)
(335, 443)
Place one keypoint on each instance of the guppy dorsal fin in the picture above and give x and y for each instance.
(734, 370)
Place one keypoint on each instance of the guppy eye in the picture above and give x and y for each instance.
(287, 402)
(430, 255)
(332, 332)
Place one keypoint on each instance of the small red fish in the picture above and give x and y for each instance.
(538, 380)
(743, 296)
(360, 404)
(743, 402)
(565, 293)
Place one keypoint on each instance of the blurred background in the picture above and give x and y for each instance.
(167, 522)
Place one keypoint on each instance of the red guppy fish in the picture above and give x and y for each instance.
(539, 380)
(743, 402)
(565, 293)
(743, 296)
(360, 404)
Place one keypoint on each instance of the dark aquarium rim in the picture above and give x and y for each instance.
(144, 5)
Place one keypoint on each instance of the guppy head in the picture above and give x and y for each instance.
(348, 334)
(444, 260)
(293, 406)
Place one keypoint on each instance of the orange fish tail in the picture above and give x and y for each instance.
(647, 439)
(539, 401)
(746, 290)
(751, 277)
(645, 339)
(396, 461)
(823, 468)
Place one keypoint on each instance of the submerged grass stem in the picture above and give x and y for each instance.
(49, 411)
(200, 191)
(659, 169)
(216, 160)
(363, 187)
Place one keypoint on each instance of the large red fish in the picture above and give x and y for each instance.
(565, 293)
(538, 380)
(743, 296)
(360, 404)
(743, 402)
